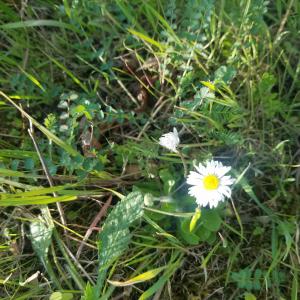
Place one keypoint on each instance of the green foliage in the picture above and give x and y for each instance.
(169, 178)
(115, 236)
(224, 74)
(270, 102)
(195, 15)
(188, 236)
(174, 264)
(107, 79)
(203, 230)
(37, 196)
(211, 219)
(204, 94)
(246, 279)
(252, 280)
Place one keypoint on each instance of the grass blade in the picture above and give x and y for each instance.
(35, 23)
(139, 278)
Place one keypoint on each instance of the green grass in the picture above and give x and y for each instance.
(87, 88)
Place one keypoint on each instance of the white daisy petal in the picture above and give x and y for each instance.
(225, 190)
(202, 201)
(209, 185)
(201, 169)
(213, 203)
(194, 178)
(221, 171)
(193, 191)
(227, 180)
(214, 200)
(210, 166)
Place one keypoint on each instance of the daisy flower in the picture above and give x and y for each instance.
(170, 140)
(209, 184)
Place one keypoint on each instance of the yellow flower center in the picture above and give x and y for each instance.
(211, 182)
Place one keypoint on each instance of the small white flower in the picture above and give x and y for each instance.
(170, 140)
(209, 185)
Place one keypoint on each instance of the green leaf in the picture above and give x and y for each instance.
(203, 233)
(160, 231)
(211, 219)
(256, 279)
(243, 279)
(29, 164)
(225, 74)
(115, 235)
(34, 200)
(211, 238)
(184, 230)
(168, 179)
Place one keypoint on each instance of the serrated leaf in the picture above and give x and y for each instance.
(115, 235)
